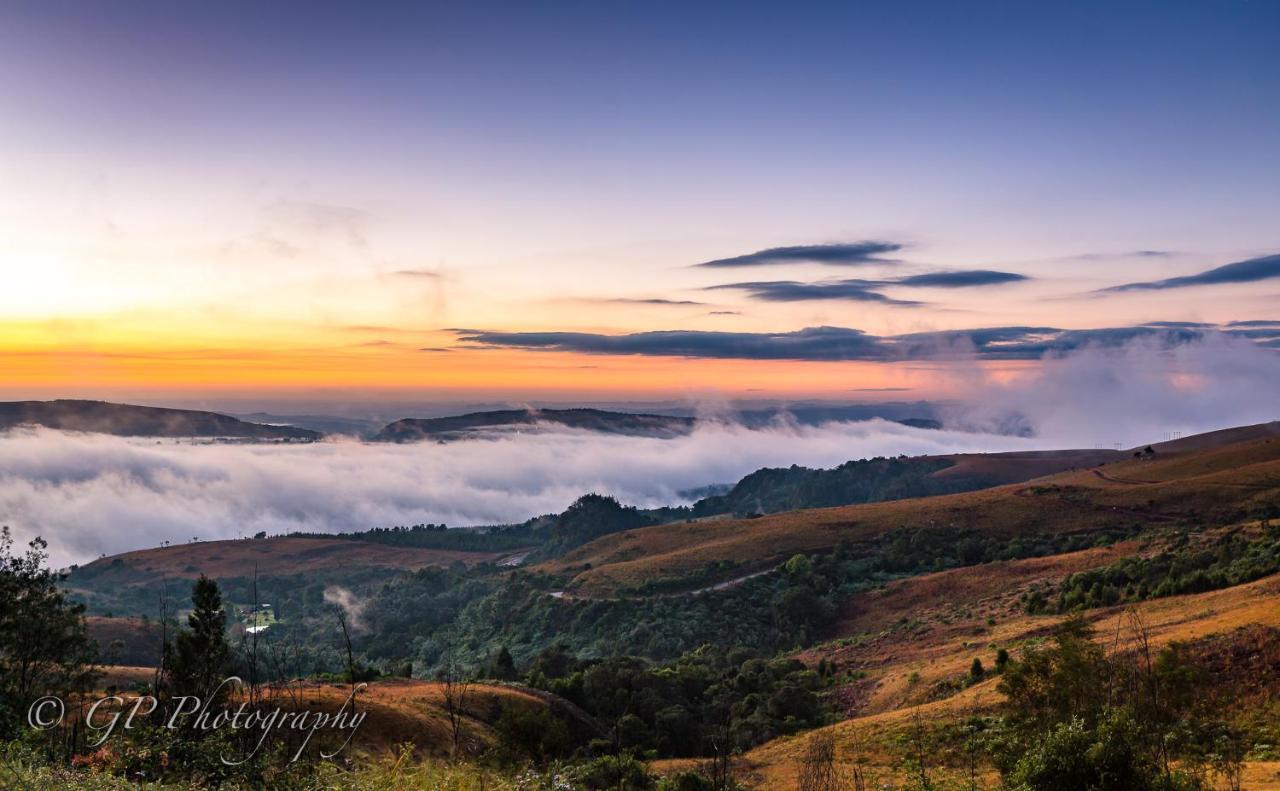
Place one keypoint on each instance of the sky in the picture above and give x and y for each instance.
(587, 201)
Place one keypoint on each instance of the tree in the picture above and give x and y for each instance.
(201, 657)
(1073, 756)
(531, 732)
(502, 667)
(44, 648)
(1224, 747)
(1078, 718)
(552, 662)
(1053, 685)
(611, 686)
(798, 566)
(856, 749)
(918, 748)
(819, 772)
(455, 689)
(976, 671)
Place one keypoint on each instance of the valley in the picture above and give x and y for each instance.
(877, 612)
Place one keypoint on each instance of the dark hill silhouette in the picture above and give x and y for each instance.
(458, 426)
(128, 420)
(444, 429)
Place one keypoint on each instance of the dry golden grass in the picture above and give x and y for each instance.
(272, 556)
(398, 711)
(404, 710)
(125, 676)
(1018, 466)
(921, 621)
(906, 666)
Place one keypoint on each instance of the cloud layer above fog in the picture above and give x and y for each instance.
(92, 494)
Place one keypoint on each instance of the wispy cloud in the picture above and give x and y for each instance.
(425, 273)
(862, 290)
(305, 216)
(381, 329)
(1113, 256)
(959, 279)
(795, 291)
(658, 301)
(844, 254)
(1250, 271)
(1180, 325)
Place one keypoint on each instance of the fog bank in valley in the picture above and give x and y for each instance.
(93, 494)
(90, 494)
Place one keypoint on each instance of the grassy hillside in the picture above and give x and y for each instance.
(774, 490)
(907, 652)
(269, 556)
(1212, 483)
(404, 711)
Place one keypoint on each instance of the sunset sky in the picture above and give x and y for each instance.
(624, 200)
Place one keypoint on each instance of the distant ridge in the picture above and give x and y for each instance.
(445, 429)
(458, 426)
(128, 420)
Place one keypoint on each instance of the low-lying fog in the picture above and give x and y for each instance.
(92, 494)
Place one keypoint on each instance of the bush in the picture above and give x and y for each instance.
(617, 773)
(531, 733)
(1111, 757)
(686, 781)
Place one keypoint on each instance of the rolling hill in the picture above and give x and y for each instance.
(402, 711)
(906, 647)
(774, 490)
(281, 555)
(1218, 479)
(128, 420)
(448, 429)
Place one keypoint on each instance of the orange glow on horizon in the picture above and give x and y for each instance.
(154, 356)
(400, 367)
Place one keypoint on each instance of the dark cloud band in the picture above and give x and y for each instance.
(795, 291)
(653, 301)
(847, 254)
(961, 279)
(841, 343)
(1250, 271)
(860, 290)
